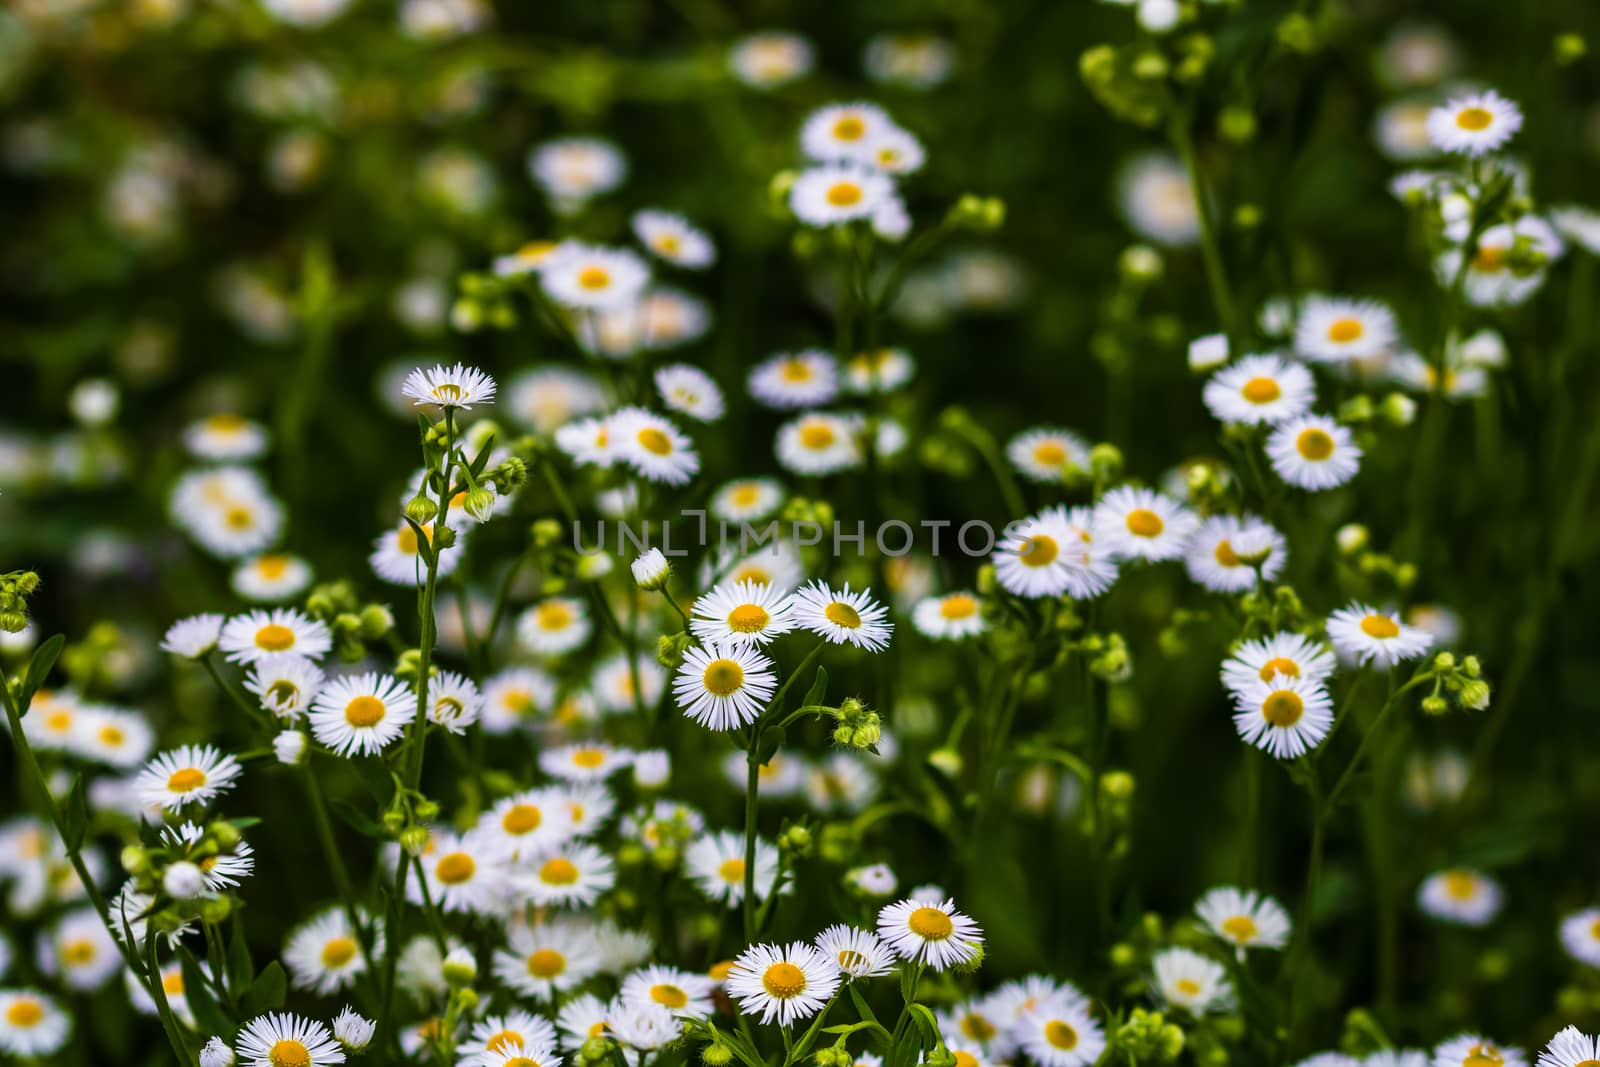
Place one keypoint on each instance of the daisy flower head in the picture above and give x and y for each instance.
(896, 152)
(842, 617)
(1286, 717)
(1040, 556)
(804, 379)
(112, 736)
(193, 637)
(352, 1030)
(1475, 1050)
(1048, 455)
(1397, 1057)
(574, 873)
(1474, 124)
(225, 437)
(228, 511)
(679, 992)
(1368, 636)
(771, 59)
(856, 952)
(1057, 1031)
(1414, 372)
(1244, 918)
(654, 447)
(1580, 936)
(258, 634)
(909, 60)
(271, 578)
(555, 625)
(586, 761)
(397, 559)
(746, 500)
(31, 1024)
(716, 863)
(952, 617)
(79, 952)
(1338, 329)
(541, 961)
(724, 686)
(572, 170)
(1136, 523)
(464, 873)
(1570, 1048)
(512, 698)
(515, 1039)
(1313, 452)
(190, 774)
(835, 193)
(528, 822)
(362, 714)
(1197, 984)
(933, 934)
(221, 870)
(546, 398)
(459, 386)
(324, 954)
(594, 278)
(621, 684)
(1288, 654)
(1260, 390)
(674, 239)
(782, 983)
(1508, 262)
(285, 685)
(453, 701)
(281, 1039)
(820, 442)
(742, 613)
(1157, 200)
(843, 131)
(689, 391)
(1233, 553)
(1460, 895)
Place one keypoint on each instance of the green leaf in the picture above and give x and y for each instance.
(771, 741)
(44, 658)
(424, 546)
(266, 993)
(198, 995)
(482, 461)
(74, 814)
(860, 1002)
(818, 690)
(241, 969)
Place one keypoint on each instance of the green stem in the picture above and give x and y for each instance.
(1210, 246)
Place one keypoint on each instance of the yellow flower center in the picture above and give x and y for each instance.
(723, 677)
(849, 128)
(1261, 391)
(289, 1053)
(851, 960)
(930, 924)
(274, 638)
(225, 423)
(455, 868)
(745, 496)
(844, 194)
(1187, 986)
(1142, 522)
(1484, 1056)
(272, 567)
(558, 871)
(546, 963)
(732, 871)
(338, 952)
(817, 435)
(1489, 259)
(1283, 708)
(841, 614)
(240, 517)
(553, 615)
(364, 711)
(112, 736)
(186, 780)
(1040, 550)
(172, 984)
(521, 819)
(1060, 1035)
(653, 440)
(1239, 927)
(589, 757)
(1460, 885)
(594, 278)
(58, 721)
(1049, 454)
(978, 1028)
(668, 244)
(796, 370)
(1343, 331)
(1278, 665)
(77, 952)
(1380, 626)
(958, 606)
(1225, 554)
(503, 1040)
(448, 392)
(669, 996)
(24, 1012)
(784, 980)
(748, 618)
(1314, 444)
(1474, 118)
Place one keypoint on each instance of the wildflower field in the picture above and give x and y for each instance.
(1040, 533)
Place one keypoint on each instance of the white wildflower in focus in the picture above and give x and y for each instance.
(352, 1030)
(453, 701)
(835, 193)
(1460, 895)
(216, 1053)
(650, 569)
(1288, 654)
(782, 983)
(281, 1039)
(1194, 983)
(656, 449)
(724, 687)
(285, 684)
(191, 774)
(1475, 124)
(289, 747)
(573, 874)
(856, 952)
(742, 613)
(1052, 553)
(1234, 553)
(542, 960)
(1136, 523)
(842, 617)
(259, 634)
(459, 386)
(1365, 635)
(1244, 918)
(933, 934)
(1570, 1048)
(771, 60)
(1260, 390)
(1313, 452)
(362, 714)
(194, 637)
(1286, 717)
(464, 873)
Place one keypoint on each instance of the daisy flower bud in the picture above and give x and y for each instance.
(289, 746)
(1351, 538)
(1398, 409)
(595, 1050)
(376, 621)
(353, 1031)
(414, 839)
(546, 532)
(1471, 667)
(183, 881)
(1435, 705)
(1141, 263)
(716, 1055)
(651, 570)
(1474, 695)
(460, 968)
(420, 509)
(1105, 462)
(216, 1054)
(480, 504)
(135, 860)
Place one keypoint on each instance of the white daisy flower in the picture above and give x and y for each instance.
(1580, 936)
(1474, 124)
(744, 613)
(1313, 452)
(257, 634)
(190, 774)
(32, 1025)
(1136, 523)
(459, 386)
(1496, 276)
(723, 687)
(1397, 1057)
(1578, 224)
(680, 992)
(716, 863)
(746, 500)
(674, 239)
(643, 1027)
(1570, 1048)
(951, 617)
(513, 697)
(352, 1030)
(583, 1017)
(1227, 552)
(805, 379)
(528, 822)
(503, 1040)
(222, 869)
(271, 578)
(79, 952)
(324, 954)
(841, 782)
(112, 736)
(1460, 895)
(1260, 390)
(1157, 200)
(1286, 717)
(280, 1039)
(593, 278)
(589, 761)
(395, 557)
(819, 442)
(1336, 329)
(574, 873)
(555, 625)
(654, 447)
(843, 131)
(1048, 454)
(933, 934)
(1417, 374)
(225, 437)
(1039, 556)
(782, 983)
(285, 684)
(464, 873)
(362, 714)
(1366, 635)
(896, 152)
(1057, 1031)
(543, 960)
(1208, 353)
(856, 952)
(1289, 654)
(837, 193)
(909, 60)
(453, 701)
(620, 686)
(882, 370)
(771, 60)
(842, 617)
(1244, 918)
(689, 391)
(193, 637)
(1474, 1050)
(546, 398)
(572, 170)
(1197, 984)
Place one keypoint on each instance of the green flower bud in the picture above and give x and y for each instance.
(414, 839)
(1569, 48)
(376, 621)
(546, 532)
(716, 1055)
(135, 860)
(1435, 705)
(421, 510)
(443, 536)
(1474, 695)
(1237, 124)
(1105, 462)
